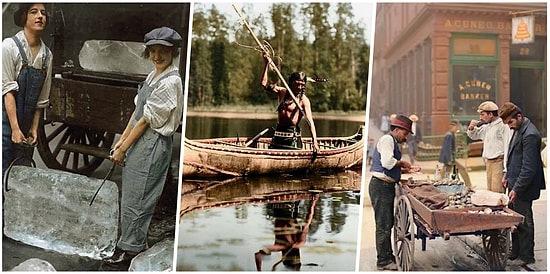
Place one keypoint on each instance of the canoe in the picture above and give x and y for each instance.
(230, 157)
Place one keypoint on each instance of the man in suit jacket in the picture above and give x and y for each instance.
(524, 179)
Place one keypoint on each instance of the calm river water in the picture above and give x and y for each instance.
(224, 223)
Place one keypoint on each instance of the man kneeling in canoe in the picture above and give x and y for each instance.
(293, 106)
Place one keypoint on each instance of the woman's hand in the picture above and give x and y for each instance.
(17, 136)
(118, 156)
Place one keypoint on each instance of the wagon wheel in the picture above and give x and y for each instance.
(403, 234)
(496, 243)
(73, 148)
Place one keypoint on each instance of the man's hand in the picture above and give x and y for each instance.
(505, 183)
(315, 147)
(512, 195)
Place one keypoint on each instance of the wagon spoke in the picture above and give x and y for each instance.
(403, 234)
(66, 147)
(496, 244)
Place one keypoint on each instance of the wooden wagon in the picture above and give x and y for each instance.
(493, 224)
(97, 66)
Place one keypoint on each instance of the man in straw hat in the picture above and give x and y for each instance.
(386, 170)
(496, 136)
(524, 179)
(414, 139)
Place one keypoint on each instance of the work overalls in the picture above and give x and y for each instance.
(30, 81)
(143, 178)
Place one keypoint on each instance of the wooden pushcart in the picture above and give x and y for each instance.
(410, 213)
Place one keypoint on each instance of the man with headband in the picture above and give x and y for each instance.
(288, 133)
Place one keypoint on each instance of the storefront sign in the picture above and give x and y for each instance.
(486, 25)
(474, 90)
(523, 30)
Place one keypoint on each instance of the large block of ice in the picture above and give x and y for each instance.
(51, 209)
(157, 258)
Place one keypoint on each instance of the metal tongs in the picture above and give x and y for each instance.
(106, 176)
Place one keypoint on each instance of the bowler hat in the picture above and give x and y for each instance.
(487, 106)
(162, 36)
(403, 122)
(507, 111)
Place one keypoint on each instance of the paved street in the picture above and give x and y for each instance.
(460, 253)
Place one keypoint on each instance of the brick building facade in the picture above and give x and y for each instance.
(440, 60)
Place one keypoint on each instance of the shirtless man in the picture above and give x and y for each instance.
(288, 133)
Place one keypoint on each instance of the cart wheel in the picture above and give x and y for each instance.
(496, 243)
(403, 234)
(53, 142)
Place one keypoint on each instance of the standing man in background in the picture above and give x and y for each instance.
(414, 139)
(496, 136)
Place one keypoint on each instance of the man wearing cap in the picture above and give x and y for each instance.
(26, 81)
(287, 133)
(386, 170)
(414, 139)
(496, 136)
(145, 146)
(524, 179)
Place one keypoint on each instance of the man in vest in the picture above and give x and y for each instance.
(386, 170)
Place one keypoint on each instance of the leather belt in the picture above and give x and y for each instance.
(496, 159)
(286, 134)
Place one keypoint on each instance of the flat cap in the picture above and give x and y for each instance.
(507, 111)
(162, 36)
(487, 106)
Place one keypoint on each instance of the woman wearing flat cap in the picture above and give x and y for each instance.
(145, 147)
(26, 81)
(386, 170)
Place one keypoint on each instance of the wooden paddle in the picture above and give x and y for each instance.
(255, 138)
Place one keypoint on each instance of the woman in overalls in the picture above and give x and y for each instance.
(145, 147)
(26, 81)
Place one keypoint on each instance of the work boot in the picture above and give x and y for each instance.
(391, 266)
(120, 260)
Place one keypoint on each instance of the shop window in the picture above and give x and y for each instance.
(472, 84)
(474, 46)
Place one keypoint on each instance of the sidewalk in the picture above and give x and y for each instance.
(476, 172)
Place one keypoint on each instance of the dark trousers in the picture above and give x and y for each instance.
(523, 240)
(382, 196)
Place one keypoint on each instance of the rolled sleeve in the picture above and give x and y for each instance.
(160, 105)
(9, 67)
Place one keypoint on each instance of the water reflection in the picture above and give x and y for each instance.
(306, 222)
(290, 234)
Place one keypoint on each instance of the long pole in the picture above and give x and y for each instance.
(271, 64)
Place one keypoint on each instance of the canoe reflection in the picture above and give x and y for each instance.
(198, 194)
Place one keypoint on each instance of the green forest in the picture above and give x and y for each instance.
(226, 63)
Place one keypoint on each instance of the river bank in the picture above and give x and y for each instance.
(267, 113)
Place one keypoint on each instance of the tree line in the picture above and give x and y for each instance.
(225, 69)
